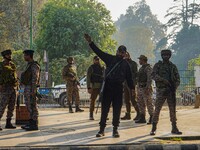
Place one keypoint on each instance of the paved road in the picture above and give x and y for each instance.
(59, 128)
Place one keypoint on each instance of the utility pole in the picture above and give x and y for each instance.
(31, 24)
(46, 68)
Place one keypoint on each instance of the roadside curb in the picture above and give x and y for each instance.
(110, 147)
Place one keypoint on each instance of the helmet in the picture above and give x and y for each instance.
(70, 59)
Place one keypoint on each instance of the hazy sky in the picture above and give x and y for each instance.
(117, 7)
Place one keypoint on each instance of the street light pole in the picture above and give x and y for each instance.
(31, 23)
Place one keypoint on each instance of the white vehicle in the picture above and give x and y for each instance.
(60, 92)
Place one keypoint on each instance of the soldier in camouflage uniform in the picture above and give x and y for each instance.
(128, 97)
(144, 90)
(30, 79)
(69, 74)
(8, 87)
(167, 80)
(94, 82)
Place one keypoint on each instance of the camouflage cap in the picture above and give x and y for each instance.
(6, 52)
(28, 51)
(143, 57)
(166, 51)
(69, 59)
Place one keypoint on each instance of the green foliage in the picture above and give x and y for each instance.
(186, 45)
(14, 23)
(56, 66)
(63, 23)
(139, 30)
(193, 62)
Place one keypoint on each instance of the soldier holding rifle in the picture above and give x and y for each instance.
(117, 71)
(167, 79)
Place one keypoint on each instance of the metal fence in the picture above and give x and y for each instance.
(56, 97)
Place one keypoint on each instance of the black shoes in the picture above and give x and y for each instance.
(100, 134)
(78, 109)
(141, 119)
(175, 130)
(126, 117)
(153, 130)
(70, 109)
(115, 133)
(9, 124)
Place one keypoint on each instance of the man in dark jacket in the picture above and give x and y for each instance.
(113, 89)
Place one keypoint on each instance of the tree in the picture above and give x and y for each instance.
(139, 30)
(182, 15)
(14, 23)
(62, 26)
(186, 45)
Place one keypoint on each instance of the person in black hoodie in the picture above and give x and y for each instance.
(113, 89)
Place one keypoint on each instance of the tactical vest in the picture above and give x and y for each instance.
(26, 76)
(8, 74)
(164, 71)
(142, 75)
(97, 74)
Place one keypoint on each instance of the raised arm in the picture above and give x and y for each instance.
(104, 56)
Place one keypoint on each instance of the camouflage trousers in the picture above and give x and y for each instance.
(128, 98)
(162, 95)
(144, 100)
(7, 98)
(31, 103)
(73, 93)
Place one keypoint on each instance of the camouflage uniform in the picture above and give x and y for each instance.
(144, 83)
(128, 97)
(70, 76)
(161, 73)
(30, 79)
(8, 81)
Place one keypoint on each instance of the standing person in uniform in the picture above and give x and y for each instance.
(8, 87)
(69, 74)
(144, 90)
(30, 78)
(128, 97)
(94, 82)
(167, 79)
(113, 89)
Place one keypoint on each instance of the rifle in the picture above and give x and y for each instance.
(103, 84)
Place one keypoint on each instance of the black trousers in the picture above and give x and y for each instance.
(112, 95)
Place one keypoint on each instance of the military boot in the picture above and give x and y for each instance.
(150, 120)
(78, 109)
(153, 130)
(115, 132)
(141, 119)
(137, 117)
(101, 132)
(127, 116)
(175, 129)
(9, 124)
(26, 125)
(33, 126)
(91, 116)
(70, 109)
